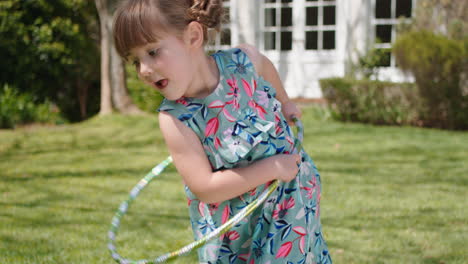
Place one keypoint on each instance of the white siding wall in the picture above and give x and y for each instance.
(357, 17)
(246, 12)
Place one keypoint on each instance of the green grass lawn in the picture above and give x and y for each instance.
(390, 194)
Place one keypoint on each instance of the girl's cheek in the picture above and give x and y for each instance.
(159, 63)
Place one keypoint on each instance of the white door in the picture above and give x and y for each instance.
(300, 37)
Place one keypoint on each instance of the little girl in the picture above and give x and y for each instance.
(225, 121)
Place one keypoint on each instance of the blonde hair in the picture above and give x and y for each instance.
(138, 22)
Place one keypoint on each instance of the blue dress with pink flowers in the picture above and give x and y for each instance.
(241, 122)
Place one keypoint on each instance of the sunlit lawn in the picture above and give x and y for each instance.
(390, 194)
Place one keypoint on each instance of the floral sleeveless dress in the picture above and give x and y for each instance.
(239, 123)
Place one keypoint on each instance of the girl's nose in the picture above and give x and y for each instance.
(145, 69)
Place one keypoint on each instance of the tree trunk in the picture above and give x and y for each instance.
(114, 91)
(120, 96)
(106, 100)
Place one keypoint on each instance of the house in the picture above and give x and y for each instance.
(308, 40)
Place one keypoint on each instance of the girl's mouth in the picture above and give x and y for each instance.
(161, 84)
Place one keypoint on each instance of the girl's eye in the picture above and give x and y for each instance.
(136, 63)
(153, 53)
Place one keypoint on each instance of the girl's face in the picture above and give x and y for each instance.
(164, 65)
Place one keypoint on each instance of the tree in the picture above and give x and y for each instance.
(48, 49)
(444, 17)
(114, 91)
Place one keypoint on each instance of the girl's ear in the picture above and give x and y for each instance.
(193, 34)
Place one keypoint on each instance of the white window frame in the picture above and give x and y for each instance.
(320, 27)
(277, 29)
(298, 32)
(393, 22)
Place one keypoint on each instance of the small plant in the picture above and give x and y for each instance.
(368, 65)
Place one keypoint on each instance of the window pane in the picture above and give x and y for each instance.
(383, 8)
(227, 15)
(403, 8)
(311, 16)
(270, 17)
(329, 39)
(311, 0)
(329, 15)
(226, 37)
(286, 1)
(311, 40)
(384, 57)
(270, 40)
(286, 40)
(270, 1)
(383, 33)
(286, 16)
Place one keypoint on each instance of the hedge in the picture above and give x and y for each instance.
(374, 102)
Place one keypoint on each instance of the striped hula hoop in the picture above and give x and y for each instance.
(124, 206)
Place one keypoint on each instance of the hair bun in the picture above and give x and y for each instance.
(207, 12)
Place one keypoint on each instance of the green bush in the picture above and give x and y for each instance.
(375, 102)
(51, 49)
(439, 66)
(144, 96)
(16, 109)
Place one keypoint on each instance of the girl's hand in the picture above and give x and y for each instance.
(290, 109)
(287, 166)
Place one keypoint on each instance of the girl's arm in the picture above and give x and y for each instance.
(267, 70)
(211, 187)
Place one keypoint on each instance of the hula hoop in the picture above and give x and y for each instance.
(156, 171)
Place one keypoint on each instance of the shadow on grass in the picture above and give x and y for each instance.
(23, 177)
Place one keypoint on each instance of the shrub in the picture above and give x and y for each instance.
(16, 109)
(439, 66)
(144, 96)
(374, 102)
